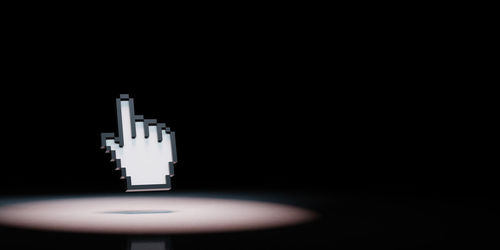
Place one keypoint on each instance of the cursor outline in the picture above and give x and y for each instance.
(144, 150)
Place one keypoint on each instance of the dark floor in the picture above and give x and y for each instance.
(349, 220)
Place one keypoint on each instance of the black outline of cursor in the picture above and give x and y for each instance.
(119, 140)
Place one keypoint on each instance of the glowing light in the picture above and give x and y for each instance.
(151, 215)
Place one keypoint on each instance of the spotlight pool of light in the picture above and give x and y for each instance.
(150, 214)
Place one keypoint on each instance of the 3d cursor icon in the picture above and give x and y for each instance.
(144, 150)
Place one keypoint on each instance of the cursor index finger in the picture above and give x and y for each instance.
(125, 114)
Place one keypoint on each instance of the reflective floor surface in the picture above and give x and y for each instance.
(245, 220)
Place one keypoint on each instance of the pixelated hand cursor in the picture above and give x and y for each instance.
(144, 150)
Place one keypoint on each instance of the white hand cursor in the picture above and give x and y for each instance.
(144, 150)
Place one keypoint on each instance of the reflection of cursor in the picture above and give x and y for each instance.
(144, 150)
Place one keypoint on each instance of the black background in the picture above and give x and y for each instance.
(278, 129)
(245, 116)
(310, 106)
